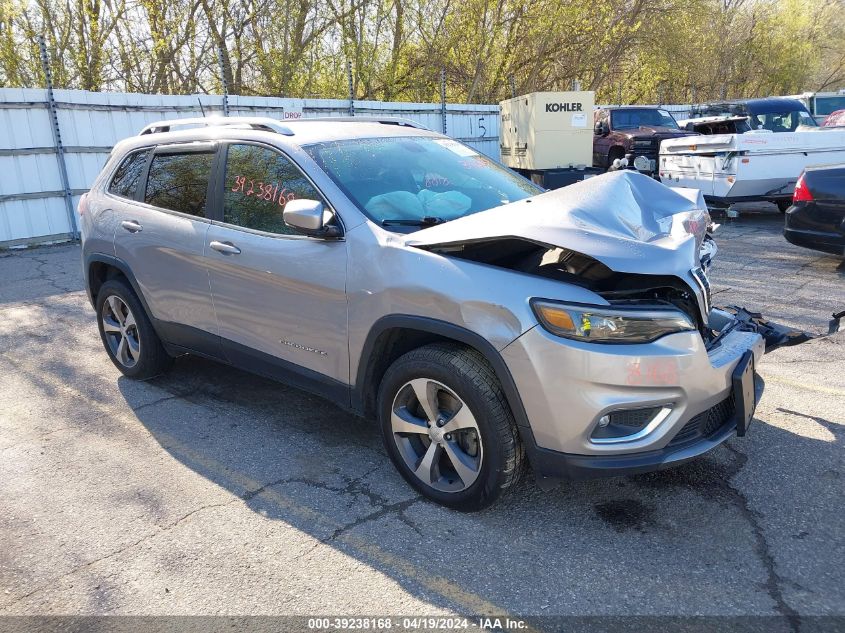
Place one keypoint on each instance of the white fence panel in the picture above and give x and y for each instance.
(32, 207)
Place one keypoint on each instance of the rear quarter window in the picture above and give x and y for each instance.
(179, 182)
(125, 181)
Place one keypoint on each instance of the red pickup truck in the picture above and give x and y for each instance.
(631, 129)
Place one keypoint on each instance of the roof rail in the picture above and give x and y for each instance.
(255, 123)
(385, 120)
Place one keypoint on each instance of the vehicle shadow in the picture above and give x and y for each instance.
(674, 539)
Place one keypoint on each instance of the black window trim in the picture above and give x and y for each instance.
(220, 182)
(199, 147)
(142, 178)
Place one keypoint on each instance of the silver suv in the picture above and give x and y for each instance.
(399, 273)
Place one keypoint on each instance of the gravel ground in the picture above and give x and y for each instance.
(212, 491)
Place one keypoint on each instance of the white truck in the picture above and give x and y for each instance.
(756, 165)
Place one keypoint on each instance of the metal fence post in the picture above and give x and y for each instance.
(351, 88)
(223, 80)
(57, 138)
(576, 85)
(443, 99)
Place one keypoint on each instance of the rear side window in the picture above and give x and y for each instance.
(179, 182)
(259, 183)
(124, 183)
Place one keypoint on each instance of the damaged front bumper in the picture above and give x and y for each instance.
(695, 391)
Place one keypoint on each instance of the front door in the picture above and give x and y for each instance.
(280, 297)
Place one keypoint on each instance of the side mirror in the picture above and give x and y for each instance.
(309, 218)
(597, 130)
(601, 129)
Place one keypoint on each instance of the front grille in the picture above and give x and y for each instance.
(704, 285)
(707, 422)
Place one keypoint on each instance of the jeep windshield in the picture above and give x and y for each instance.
(632, 118)
(410, 182)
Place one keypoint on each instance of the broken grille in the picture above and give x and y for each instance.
(707, 422)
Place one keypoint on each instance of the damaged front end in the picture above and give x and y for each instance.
(634, 242)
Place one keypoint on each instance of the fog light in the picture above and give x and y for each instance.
(604, 420)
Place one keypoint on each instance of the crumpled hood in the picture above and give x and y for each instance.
(628, 221)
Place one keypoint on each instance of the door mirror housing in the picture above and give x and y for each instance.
(310, 217)
(601, 129)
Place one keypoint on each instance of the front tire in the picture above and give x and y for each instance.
(447, 427)
(127, 334)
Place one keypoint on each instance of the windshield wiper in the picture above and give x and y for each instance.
(428, 220)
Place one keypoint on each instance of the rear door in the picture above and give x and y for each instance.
(280, 297)
(162, 237)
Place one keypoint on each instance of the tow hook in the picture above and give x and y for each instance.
(777, 335)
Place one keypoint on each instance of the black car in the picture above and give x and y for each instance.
(816, 218)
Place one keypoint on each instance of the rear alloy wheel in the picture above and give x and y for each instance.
(121, 332)
(127, 334)
(448, 428)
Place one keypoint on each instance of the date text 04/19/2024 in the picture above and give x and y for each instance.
(427, 623)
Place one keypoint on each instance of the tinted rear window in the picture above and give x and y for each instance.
(124, 183)
(179, 182)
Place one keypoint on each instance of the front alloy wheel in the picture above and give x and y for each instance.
(447, 426)
(437, 435)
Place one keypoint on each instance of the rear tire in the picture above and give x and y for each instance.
(447, 426)
(783, 205)
(127, 334)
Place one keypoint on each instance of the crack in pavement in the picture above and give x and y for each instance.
(762, 549)
(117, 552)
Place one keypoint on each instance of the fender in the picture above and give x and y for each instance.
(457, 333)
(441, 329)
(123, 267)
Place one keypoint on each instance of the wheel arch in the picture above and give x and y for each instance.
(392, 336)
(100, 268)
(615, 149)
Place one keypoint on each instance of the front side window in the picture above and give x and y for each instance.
(632, 118)
(259, 183)
(418, 180)
(179, 182)
(124, 183)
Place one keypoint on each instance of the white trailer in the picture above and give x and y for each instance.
(757, 165)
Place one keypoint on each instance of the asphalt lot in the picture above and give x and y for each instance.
(211, 491)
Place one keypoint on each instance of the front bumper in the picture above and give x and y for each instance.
(554, 465)
(567, 386)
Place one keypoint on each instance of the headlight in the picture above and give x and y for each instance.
(641, 163)
(603, 324)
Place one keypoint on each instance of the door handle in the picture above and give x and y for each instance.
(132, 226)
(227, 248)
